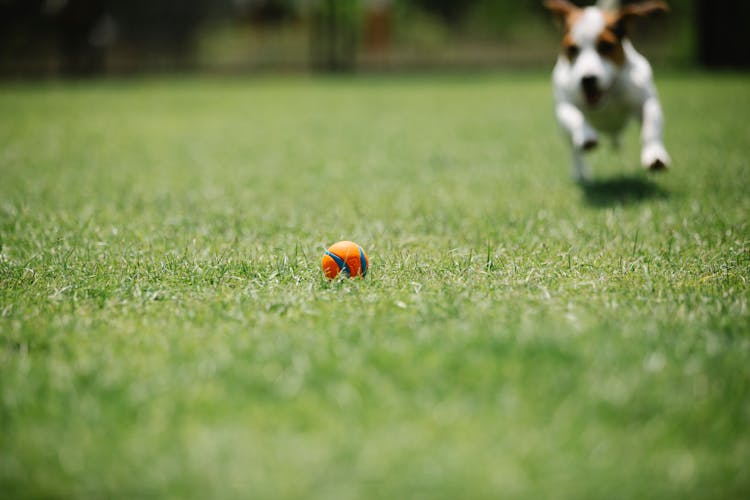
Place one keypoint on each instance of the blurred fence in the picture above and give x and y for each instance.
(84, 37)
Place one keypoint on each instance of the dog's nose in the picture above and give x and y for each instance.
(590, 83)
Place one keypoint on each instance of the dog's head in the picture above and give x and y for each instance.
(593, 42)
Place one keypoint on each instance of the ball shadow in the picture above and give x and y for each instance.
(621, 190)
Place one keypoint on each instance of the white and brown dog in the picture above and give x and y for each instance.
(601, 81)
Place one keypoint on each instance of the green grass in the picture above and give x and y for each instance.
(166, 332)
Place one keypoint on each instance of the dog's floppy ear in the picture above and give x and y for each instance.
(643, 9)
(562, 9)
(637, 11)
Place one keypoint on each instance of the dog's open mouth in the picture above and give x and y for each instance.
(591, 90)
(593, 95)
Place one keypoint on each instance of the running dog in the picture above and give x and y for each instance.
(601, 82)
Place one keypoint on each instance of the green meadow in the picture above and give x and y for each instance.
(166, 330)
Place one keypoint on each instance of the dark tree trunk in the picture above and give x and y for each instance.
(333, 37)
(723, 33)
(77, 21)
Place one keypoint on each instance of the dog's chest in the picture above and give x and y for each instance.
(612, 116)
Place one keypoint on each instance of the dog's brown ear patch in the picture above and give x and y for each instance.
(567, 14)
(563, 10)
(618, 21)
(643, 9)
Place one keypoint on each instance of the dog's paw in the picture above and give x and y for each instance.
(586, 140)
(590, 144)
(655, 158)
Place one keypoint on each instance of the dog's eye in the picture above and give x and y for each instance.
(605, 48)
(572, 51)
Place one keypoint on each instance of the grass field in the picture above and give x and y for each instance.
(166, 332)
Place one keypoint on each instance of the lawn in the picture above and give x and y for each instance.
(166, 331)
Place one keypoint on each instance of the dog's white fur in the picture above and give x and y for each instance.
(627, 91)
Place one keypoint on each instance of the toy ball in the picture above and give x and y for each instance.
(345, 257)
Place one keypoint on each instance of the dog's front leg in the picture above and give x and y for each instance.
(654, 155)
(582, 137)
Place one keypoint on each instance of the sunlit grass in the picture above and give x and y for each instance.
(165, 329)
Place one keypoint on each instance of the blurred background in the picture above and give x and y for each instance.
(76, 38)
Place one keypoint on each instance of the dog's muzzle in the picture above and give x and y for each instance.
(591, 90)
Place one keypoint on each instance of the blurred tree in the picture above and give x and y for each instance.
(24, 31)
(160, 32)
(266, 12)
(451, 11)
(334, 35)
(76, 36)
(723, 36)
(84, 31)
(378, 25)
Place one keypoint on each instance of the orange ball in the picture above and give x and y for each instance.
(346, 257)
